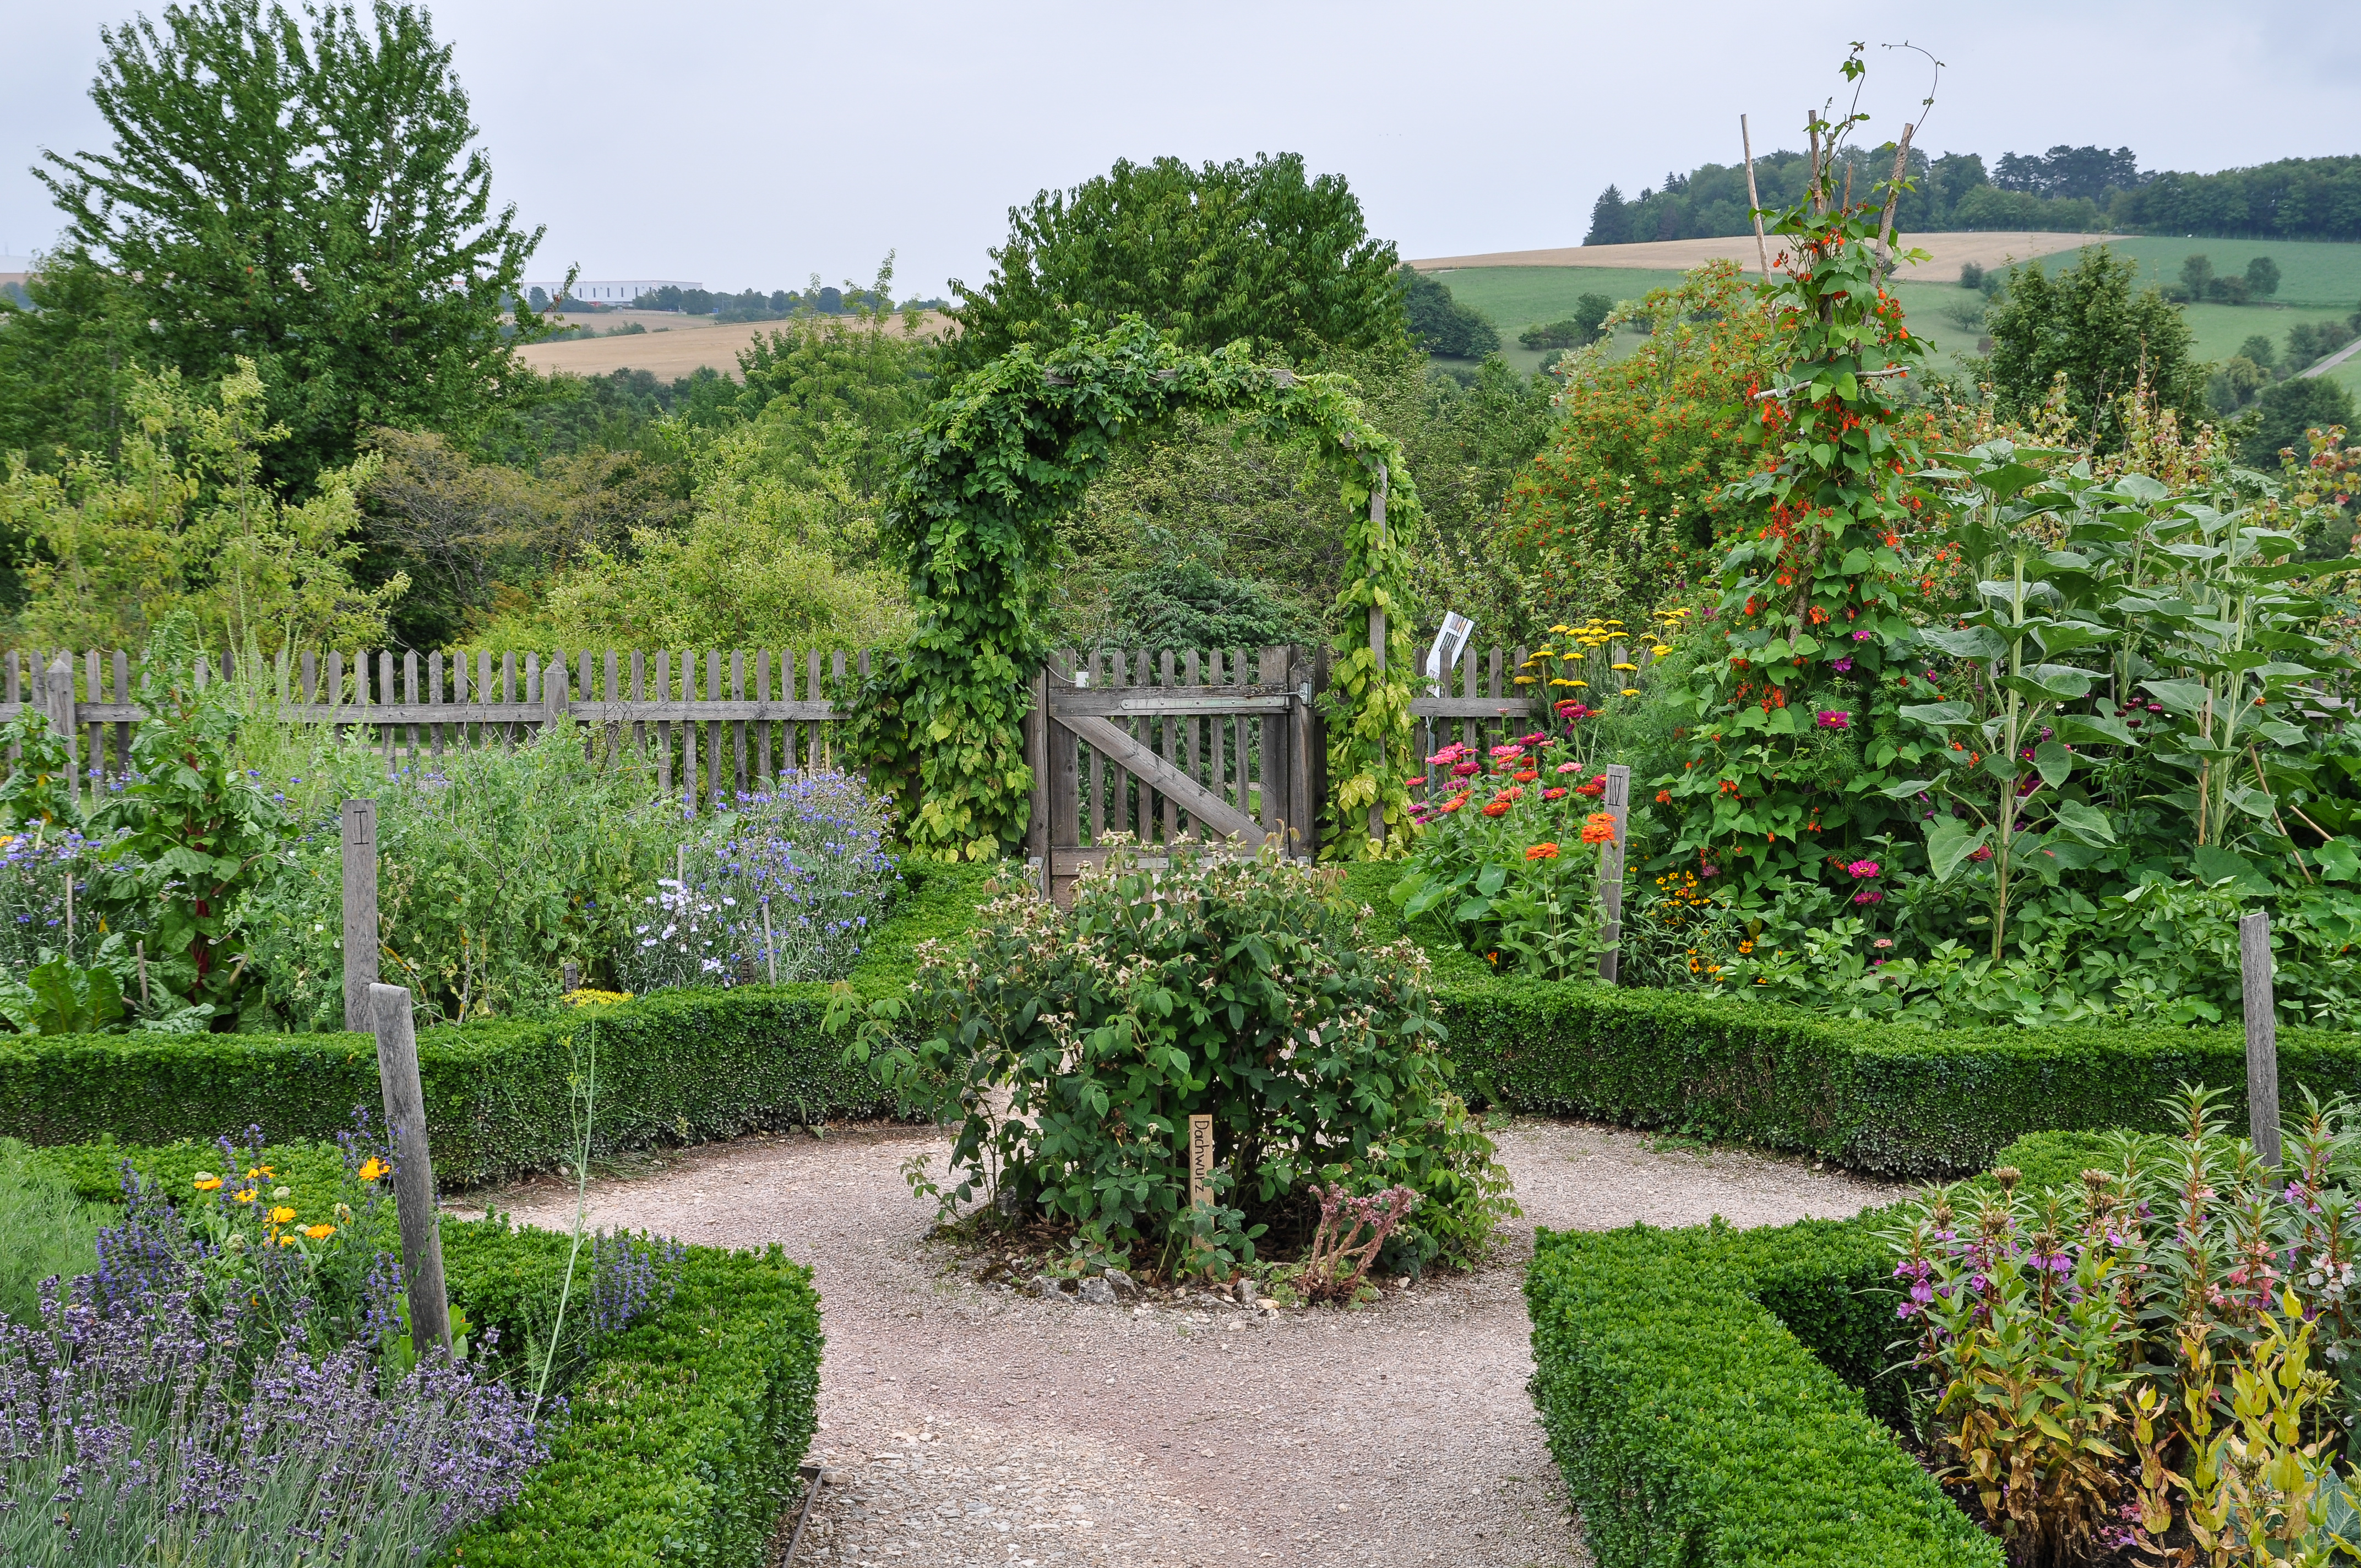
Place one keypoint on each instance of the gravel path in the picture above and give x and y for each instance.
(965, 1426)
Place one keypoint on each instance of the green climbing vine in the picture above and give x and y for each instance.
(1367, 709)
(984, 478)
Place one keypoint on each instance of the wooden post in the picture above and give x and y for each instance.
(1378, 648)
(2262, 1035)
(1755, 201)
(360, 912)
(58, 707)
(413, 1170)
(1036, 725)
(1618, 801)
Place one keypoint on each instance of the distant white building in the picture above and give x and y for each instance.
(605, 291)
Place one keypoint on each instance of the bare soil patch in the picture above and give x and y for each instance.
(965, 1424)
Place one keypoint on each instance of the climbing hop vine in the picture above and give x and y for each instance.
(984, 478)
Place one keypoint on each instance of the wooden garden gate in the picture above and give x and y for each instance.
(1214, 746)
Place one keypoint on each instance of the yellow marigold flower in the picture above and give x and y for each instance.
(208, 1181)
(282, 1215)
(287, 1241)
(243, 1194)
(373, 1167)
(1632, 667)
(319, 1233)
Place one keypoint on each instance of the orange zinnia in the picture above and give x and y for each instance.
(1542, 853)
(1599, 829)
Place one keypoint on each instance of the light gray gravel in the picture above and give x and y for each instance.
(966, 1425)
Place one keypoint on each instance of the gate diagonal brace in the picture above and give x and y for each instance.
(1208, 810)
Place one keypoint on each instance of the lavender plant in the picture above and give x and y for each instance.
(784, 886)
(131, 1428)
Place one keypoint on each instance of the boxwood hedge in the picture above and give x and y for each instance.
(1718, 1398)
(673, 1066)
(1876, 1097)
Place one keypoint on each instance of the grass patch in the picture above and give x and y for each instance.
(46, 1227)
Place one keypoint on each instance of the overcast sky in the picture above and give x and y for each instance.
(740, 143)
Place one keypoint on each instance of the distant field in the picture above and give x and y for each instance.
(2318, 279)
(2313, 273)
(673, 346)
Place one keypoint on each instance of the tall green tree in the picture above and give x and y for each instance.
(1207, 254)
(304, 194)
(2090, 325)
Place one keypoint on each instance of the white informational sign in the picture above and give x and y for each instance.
(1457, 630)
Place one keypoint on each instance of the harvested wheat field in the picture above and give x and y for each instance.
(674, 345)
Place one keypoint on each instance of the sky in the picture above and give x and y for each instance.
(751, 144)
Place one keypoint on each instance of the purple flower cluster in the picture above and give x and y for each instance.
(788, 882)
(630, 1275)
(136, 1426)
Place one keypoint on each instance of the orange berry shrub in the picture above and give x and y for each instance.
(1616, 516)
(1788, 718)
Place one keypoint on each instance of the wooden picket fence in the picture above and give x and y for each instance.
(760, 713)
(1224, 733)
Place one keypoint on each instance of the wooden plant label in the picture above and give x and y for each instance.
(1201, 1161)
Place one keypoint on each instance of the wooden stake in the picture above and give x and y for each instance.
(1378, 643)
(2262, 1035)
(360, 912)
(1754, 201)
(413, 1169)
(770, 943)
(1893, 194)
(1616, 800)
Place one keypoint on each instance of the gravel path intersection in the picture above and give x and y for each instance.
(968, 1426)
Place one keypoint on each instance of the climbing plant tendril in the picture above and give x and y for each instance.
(983, 480)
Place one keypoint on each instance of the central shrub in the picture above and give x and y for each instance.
(1074, 1046)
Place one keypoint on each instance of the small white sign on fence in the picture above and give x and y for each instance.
(1457, 630)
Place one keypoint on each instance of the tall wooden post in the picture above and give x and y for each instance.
(1618, 802)
(2262, 1035)
(1377, 645)
(57, 708)
(1036, 729)
(360, 912)
(413, 1170)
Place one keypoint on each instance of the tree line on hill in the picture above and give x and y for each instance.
(747, 304)
(2067, 190)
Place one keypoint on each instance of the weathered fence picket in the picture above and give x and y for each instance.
(705, 733)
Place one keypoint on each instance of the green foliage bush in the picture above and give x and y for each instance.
(1702, 1392)
(673, 1067)
(1238, 990)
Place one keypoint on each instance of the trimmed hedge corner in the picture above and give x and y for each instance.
(1702, 1391)
(678, 1066)
(1875, 1097)
(682, 1439)
(1718, 1398)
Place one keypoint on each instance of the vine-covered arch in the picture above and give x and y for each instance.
(985, 476)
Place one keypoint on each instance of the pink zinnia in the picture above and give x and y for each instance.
(1862, 869)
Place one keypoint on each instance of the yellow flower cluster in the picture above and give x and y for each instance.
(279, 1227)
